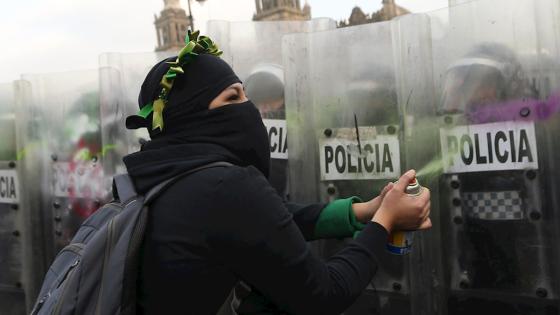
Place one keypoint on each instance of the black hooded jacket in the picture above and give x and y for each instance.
(225, 224)
(221, 225)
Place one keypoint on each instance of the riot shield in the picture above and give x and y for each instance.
(63, 136)
(12, 295)
(121, 76)
(480, 126)
(344, 135)
(254, 51)
(22, 246)
(248, 44)
(59, 158)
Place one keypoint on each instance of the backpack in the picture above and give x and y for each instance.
(97, 272)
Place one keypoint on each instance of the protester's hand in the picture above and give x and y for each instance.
(364, 211)
(402, 212)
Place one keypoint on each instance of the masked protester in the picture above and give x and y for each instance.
(222, 225)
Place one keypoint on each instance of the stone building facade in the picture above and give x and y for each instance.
(281, 10)
(171, 26)
(389, 11)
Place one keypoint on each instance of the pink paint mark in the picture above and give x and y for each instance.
(516, 110)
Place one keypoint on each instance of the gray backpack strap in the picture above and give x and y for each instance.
(134, 248)
(156, 190)
(124, 186)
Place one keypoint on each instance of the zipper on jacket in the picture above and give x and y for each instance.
(108, 250)
(76, 248)
(63, 294)
(39, 305)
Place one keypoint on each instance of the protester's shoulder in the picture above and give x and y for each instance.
(245, 186)
(248, 196)
(240, 187)
(246, 205)
(242, 178)
(226, 180)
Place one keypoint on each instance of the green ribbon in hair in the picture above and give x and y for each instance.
(194, 45)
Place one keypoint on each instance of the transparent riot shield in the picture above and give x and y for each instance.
(12, 294)
(412, 35)
(248, 44)
(480, 126)
(344, 135)
(64, 138)
(121, 76)
(254, 50)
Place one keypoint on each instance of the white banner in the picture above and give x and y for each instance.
(9, 186)
(278, 137)
(342, 157)
(489, 147)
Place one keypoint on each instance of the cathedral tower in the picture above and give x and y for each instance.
(171, 26)
(389, 10)
(281, 10)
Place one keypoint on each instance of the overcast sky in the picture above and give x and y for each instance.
(40, 36)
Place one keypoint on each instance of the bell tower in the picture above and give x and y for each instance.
(281, 10)
(389, 8)
(171, 26)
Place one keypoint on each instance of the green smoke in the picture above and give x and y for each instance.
(431, 170)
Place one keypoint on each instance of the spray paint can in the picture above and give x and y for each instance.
(400, 243)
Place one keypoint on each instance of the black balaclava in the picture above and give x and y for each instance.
(187, 119)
